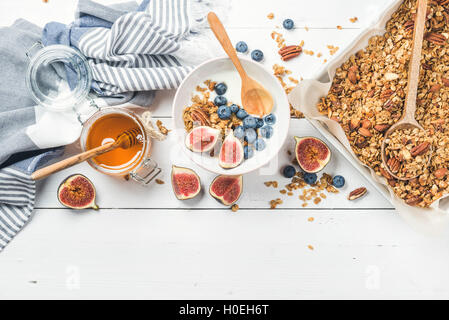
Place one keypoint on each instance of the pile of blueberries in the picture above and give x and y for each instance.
(253, 130)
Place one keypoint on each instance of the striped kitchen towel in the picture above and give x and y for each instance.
(152, 46)
(132, 49)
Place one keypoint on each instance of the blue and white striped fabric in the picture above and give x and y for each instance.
(135, 51)
(132, 49)
(17, 194)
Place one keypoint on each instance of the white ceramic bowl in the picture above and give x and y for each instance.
(222, 70)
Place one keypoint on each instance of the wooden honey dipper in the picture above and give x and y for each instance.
(125, 140)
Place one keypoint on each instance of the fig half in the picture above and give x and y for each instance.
(231, 152)
(186, 183)
(202, 139)
(77, 192)
(312, 154)
(226, 189)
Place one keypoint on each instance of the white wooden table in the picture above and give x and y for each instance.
(146, 244)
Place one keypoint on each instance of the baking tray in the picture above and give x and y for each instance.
(305, 98)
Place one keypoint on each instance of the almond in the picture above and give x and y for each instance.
(352, 76)
(440, 173)
(413, 201)
(435, 88)
(382, 127)
(365, 132)
(445, 82)
(366, 124)
(354, 124)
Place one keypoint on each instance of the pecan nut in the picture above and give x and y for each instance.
(394, 164)
(435, 38)
(420, 149)
(289, 52)
(357, 193)
(198, 115)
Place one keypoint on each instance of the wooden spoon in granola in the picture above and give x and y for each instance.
(408, 120)
(256, 100)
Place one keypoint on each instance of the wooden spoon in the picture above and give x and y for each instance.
(256, 99)
(125, 140)
(408, 120)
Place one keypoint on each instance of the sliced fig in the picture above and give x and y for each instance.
(185, 182)
(227, 189)
(231, 152)
(202, 139)
(77, 192)
(312, 154)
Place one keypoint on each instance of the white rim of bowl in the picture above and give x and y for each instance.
(276, 81)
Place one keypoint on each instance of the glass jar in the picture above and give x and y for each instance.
(59, 79)
(141, 168)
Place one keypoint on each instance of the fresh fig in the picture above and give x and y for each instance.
(312, 154)
(231, 152)
(77, 192)
(185, 182)
(202, 139)
(226, 189)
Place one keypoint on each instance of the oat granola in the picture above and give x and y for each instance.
(407, 152)
(368, 92)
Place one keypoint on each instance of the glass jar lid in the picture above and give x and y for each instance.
(59, 77)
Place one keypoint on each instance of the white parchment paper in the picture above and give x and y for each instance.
(305, 98)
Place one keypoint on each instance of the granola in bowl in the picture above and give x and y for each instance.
(368, 92)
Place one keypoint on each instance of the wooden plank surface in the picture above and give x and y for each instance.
(145, 244)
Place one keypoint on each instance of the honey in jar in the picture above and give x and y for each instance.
(106, 129)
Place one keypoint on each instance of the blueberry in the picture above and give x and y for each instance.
(260, 144)
(220, 101)
(242, 114)
(288, 24)
(248, 152)
(235, 108)
(224, 112)
(239, 132)
(289, 172)
(241, 46)
(249, 122)
(260, 123)
(338, 181)
(270, 119)
(266, 132)
(221, 88)
(250, 135)
(257, 55)
(310, 178)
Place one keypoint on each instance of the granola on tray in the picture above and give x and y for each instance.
(368, 92)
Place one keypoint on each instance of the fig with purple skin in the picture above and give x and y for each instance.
(77, 192)
(312, 154)
(202, 139)
(185, 182)
(231, 152)
(226, 189)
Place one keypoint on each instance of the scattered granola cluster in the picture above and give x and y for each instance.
(281, 73)
(407, 151)
(204, 112)
(313, 192)
(368, 92)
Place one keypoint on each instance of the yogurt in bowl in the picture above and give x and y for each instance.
(221, 70)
